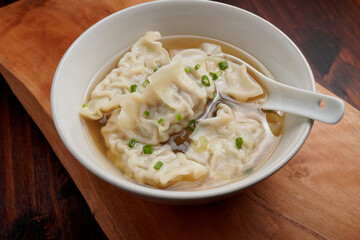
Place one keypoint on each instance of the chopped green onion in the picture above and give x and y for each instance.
(131, 143)
(269, 111)
(205, 80)
(239, 142)
(201, 144)
(214, 76)
(157, 68)
(158, 165)
(148, 149)
(146, 82)
(197, 66)
(192, 125)
(223, 65)
(160, 120)
(249, 171)
(187, 70)
(133, 88)
(84, 105)
(219, 73)
(146, 113)
(179, 117)
(214, 95)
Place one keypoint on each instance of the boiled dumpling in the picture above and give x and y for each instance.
(145, 56)
(224, 159)
(140, 167)
(170, 92)
(236, 82)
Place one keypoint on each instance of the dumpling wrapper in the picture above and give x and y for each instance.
(171, 91)
(133, 68)
(222, 156)
(140, 167)
(235, 81)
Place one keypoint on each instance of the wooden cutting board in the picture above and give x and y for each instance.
(315, 196)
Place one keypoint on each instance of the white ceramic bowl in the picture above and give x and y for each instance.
(108, 37)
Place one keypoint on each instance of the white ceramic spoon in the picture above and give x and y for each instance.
(297, 101)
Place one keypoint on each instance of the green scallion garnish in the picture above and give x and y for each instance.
(269, 111)
(179, 117)
(146, 113)
(214, 95)
(205, 80)
(84, 105)
(219, 73)
(197, 66)
(157, 68)
(223, 65)
(146, 82)
(187, 70)
(192, 125)
(158, 165)
(239, 142)
(148, 149)
(249, 171)
(133, 88)
(160, 120)
(131, 143)
(214, 76)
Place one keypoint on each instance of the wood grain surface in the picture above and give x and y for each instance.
(315, 196)
(38, 199)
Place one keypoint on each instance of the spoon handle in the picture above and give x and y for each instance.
(304, 103)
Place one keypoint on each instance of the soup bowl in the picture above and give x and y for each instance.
(108, 37)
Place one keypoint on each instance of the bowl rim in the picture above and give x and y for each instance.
(164, 194)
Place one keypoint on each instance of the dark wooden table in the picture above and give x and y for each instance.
(38, 199)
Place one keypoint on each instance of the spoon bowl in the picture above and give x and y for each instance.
(297, 101)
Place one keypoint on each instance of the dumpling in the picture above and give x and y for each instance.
(145, 56)
(225, 160)
(171, 91)
(176, 167)
(235, 82)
